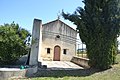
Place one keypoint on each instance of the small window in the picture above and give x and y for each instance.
(48, 50)
(64, 51)
(58, 36)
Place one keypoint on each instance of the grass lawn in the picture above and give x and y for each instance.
(88, 74)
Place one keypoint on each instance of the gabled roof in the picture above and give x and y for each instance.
(59, 21)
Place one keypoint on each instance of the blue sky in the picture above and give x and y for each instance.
(24, 11)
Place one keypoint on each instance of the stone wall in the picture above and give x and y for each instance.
(7, 73)
(81, 61)
(50, 43)
(36, 42)
(66, 40)
(15, 73)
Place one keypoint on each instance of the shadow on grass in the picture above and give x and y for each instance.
(63, 73)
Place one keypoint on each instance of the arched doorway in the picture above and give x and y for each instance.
(56, 53)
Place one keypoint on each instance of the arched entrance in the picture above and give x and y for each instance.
(56, 53)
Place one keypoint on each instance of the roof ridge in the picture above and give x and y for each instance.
(60, 21)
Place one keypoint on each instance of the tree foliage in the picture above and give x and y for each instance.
(98, 25)
(12, 43)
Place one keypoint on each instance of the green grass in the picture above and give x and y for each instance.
(88, 74)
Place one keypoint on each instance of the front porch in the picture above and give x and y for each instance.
(60, 65)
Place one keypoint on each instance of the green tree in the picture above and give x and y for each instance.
(98, 25)
(12, 43)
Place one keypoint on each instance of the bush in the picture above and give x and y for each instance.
(12, 45)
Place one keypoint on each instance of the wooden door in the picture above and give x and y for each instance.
(56, 53)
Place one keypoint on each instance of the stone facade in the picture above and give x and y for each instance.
(60, 39)
(53, 41)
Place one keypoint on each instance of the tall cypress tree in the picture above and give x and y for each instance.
(98, 24)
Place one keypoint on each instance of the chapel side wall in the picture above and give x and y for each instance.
(67, 40)
(36, 42)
